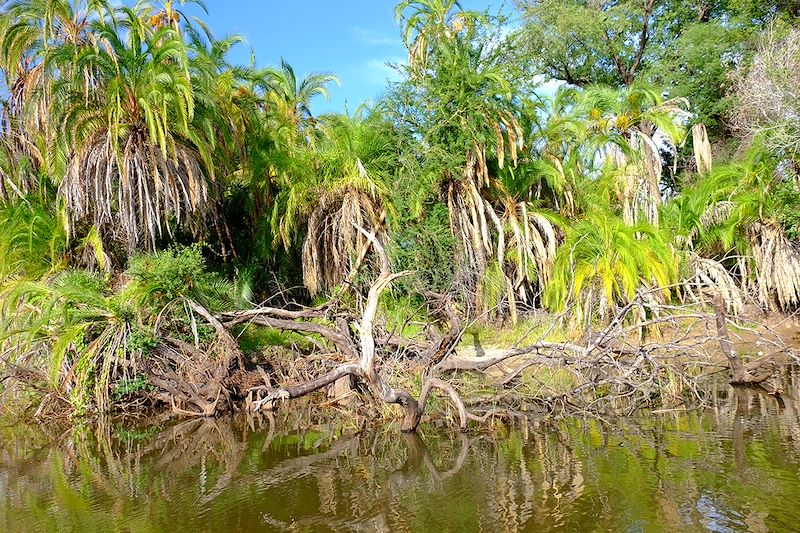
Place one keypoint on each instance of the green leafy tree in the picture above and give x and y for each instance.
(687, 47)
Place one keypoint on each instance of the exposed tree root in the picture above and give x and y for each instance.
(630, 364)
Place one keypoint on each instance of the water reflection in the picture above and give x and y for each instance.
(731, 468)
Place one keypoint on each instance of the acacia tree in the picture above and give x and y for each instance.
(584, 43)
(767, 106)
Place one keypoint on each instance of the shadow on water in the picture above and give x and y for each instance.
(733, 467)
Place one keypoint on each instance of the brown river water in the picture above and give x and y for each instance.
(732, 467)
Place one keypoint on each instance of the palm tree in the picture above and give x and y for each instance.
(88, 337)
(472, 113)
(290, 99)
(138, 167)
(603, 262)
(732, 217)
(72, 327)
(624, 127)
(426, 23)
(229, 113)
(30, 31)
(169, 16)
(335, 187)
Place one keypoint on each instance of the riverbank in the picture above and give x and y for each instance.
(537, 368)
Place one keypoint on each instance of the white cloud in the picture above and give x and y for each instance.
(549, 87)
(375, 38)
(380, 70)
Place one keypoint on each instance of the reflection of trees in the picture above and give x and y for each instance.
(369, 481)
(289, 471)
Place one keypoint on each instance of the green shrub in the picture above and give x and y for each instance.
(425, 246)
(787, 202)
(180, 272)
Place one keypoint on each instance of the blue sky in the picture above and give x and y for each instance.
(353, 39)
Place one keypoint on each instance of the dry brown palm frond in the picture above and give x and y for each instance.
(649, 194)
(24, 121)
(134, 194)
(19, 163)
(468, 224)
(716, 214)
(627, 185)
(28, 103)
(334, 243)
(501, 149)
(638, 178)
(712, 279)
(777, 262)
(702, 149)
(526, 254)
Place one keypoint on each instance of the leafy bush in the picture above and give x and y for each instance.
(179, 272)
(31, 240)
(427, 247)
(787, 201)
(129, 386)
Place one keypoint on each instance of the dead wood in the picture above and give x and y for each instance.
(616, 367)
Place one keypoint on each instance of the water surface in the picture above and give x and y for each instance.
(733, 467)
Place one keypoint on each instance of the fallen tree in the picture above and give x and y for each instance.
(615, 365)
(363, 349)
(633, 362)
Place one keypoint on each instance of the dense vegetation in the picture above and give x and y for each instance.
(143, 174)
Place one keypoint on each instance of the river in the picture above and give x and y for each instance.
(734, 466)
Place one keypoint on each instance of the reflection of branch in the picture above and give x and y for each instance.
(419, 454)
(458, 464)
(290, 469)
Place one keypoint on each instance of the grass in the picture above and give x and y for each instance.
(546, 381)
(254, 340)
(404, 314)
(529, 329)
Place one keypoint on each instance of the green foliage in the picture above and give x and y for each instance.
(142, 341)
(688, 48)
(425, 246)
(529, 329)
(76, 326)
(32, 241)
(697, 67)
(712, 215)
(787, 200)
(604, 262)
(130, 386)
(583, 42)
(73, 326)
(179, 272)
(405, 314)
